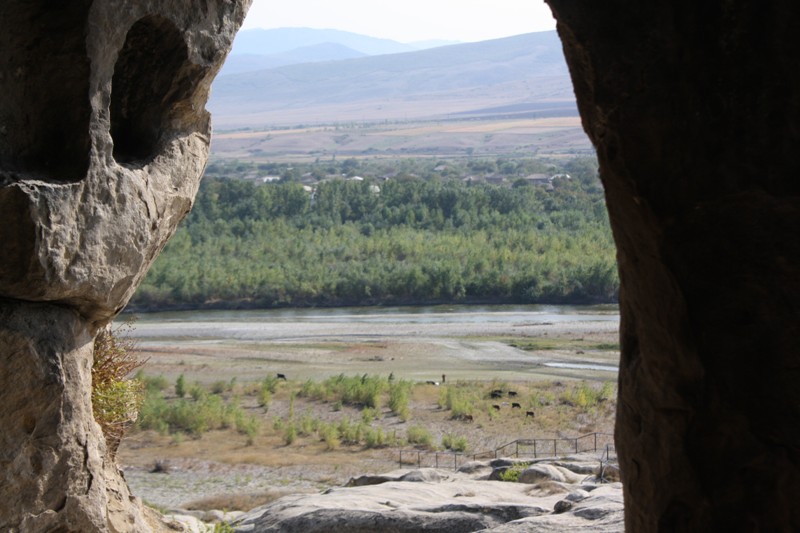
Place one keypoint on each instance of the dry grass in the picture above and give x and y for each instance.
(203, 463)
(238, 502)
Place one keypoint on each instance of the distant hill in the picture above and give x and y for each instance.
(525, 74)
(239, 63)
(280, 40)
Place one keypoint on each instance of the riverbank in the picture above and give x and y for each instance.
(512, 348)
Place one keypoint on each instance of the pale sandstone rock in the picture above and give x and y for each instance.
(103, 139)
(447, 502)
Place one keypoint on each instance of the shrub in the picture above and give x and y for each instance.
(264, 396)
(456, 444)
(368, 414)
(308, 424)
(330, 435)
(188, 416)
(197, 392)
(115, 399)
(374, 438)
(152, 383)
(456, 401)
(459, 444)
(180, 386)
(361, 391)
(513, 472)
(270, 383)
(290, 435)
(248, 426)
(399, 392)
(419, 436)
(349, 432)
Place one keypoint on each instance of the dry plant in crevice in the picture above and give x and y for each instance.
(115, 398)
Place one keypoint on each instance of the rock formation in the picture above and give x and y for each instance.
(445, 501)
(103, 139)
(694, 108)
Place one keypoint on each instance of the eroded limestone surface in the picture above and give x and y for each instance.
(103, 139)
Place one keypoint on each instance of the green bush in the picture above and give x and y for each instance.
(513, 472)
(219, 387)
(399, 394)
(453, 443)
(330, 435)
(368, 414)
(359, 391)
(455, 400)
(419, 436)
(290, 435)
(248, 426)
(152, 383)
(188, 416)
(180, 386)
(270, 383)
(116, 401)
(264, 397)
(197, 392)
(374, 438)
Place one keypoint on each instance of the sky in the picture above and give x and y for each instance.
(407, 20)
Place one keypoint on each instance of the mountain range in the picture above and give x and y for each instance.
(294, 76)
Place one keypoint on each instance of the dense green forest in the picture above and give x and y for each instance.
(423, 235)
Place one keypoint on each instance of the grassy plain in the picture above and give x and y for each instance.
(492, 137)
(230, 469)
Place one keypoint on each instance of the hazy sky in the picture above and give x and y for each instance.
(407, 20)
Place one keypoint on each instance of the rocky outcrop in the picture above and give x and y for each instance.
(103, 139)
(694, 108)
(444, 501)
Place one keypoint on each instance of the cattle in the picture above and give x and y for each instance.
(496, 407)
(432, 383)
(530, 414)
(515, 405)
(496, 394)
(512, 394)
(281, 376)
(467, 418)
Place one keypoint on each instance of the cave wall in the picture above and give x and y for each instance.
(694, 109)
(103, 139)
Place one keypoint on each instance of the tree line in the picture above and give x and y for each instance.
(405, 240)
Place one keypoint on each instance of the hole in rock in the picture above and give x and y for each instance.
(152, 88)
(44, 83)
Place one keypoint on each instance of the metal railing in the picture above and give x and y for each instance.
(535, 448)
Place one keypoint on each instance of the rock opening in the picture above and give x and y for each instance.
(152, 89)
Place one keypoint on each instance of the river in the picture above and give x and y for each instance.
(464, 342)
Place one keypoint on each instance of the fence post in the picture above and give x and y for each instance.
(555, 448)
(436, 459)
(534, 449)
(455, 461)
(516, 449)
(419, 459)
(576, 445)
(401, 458)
